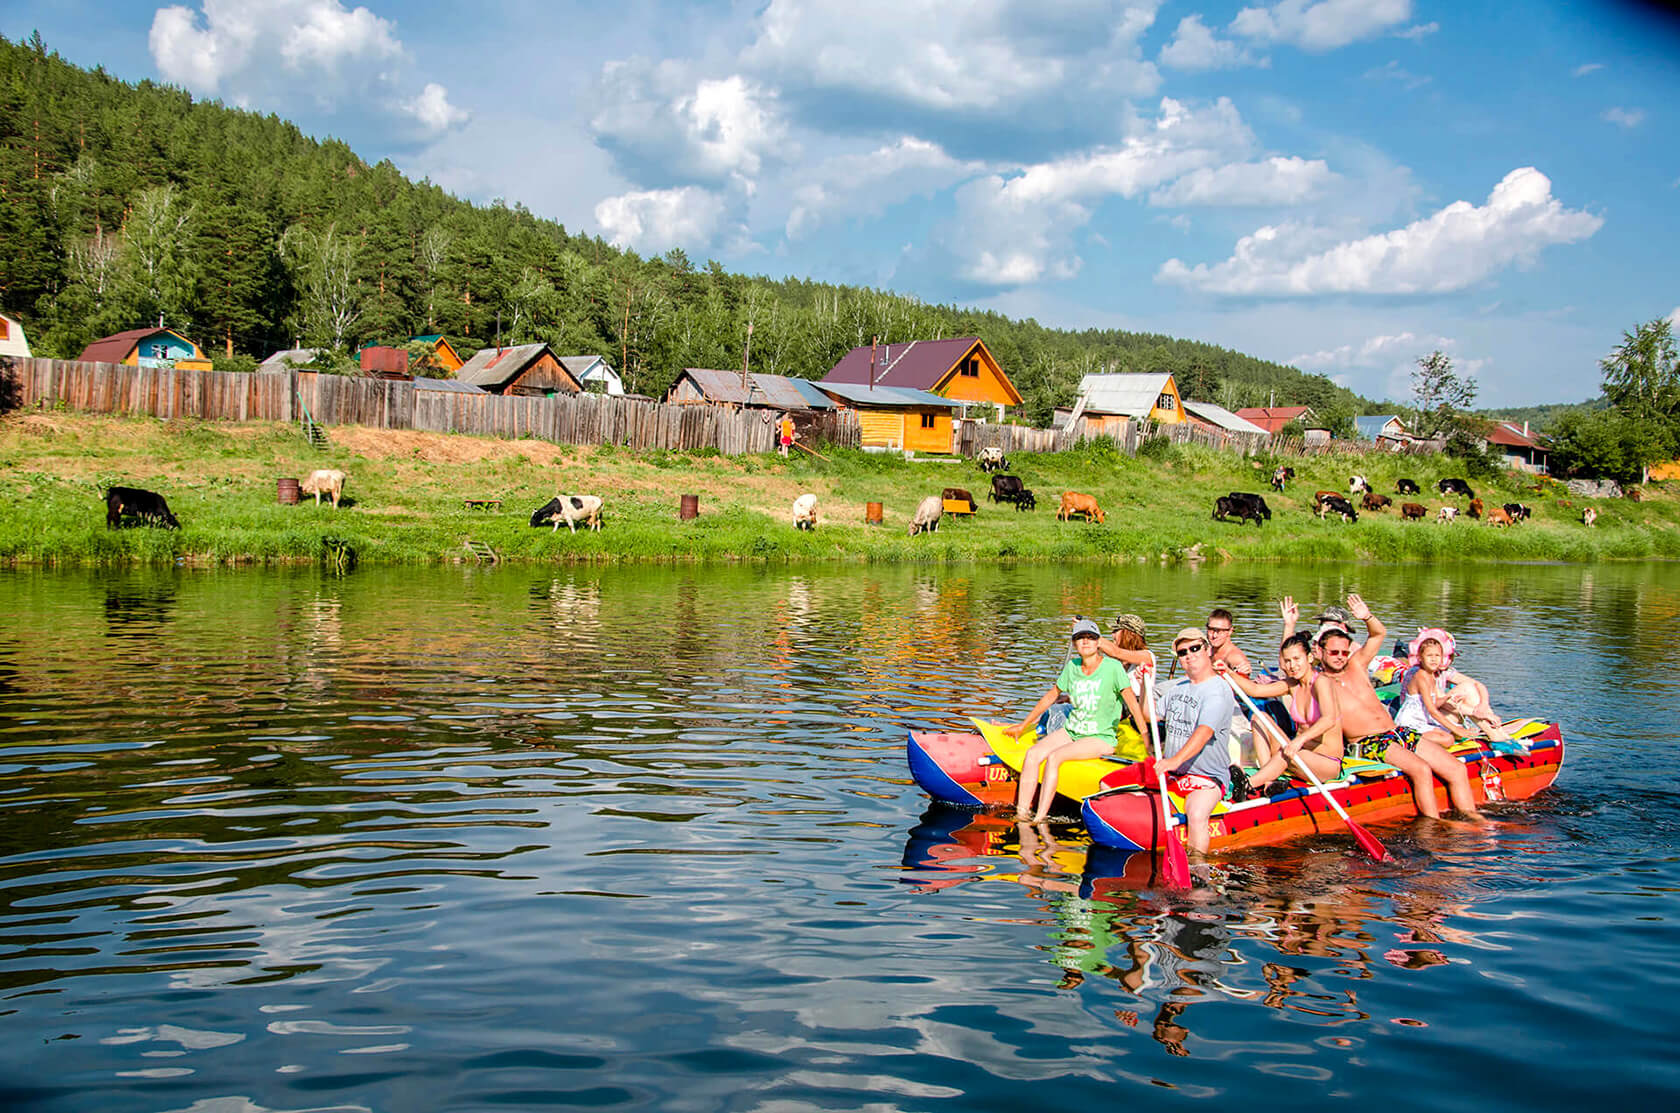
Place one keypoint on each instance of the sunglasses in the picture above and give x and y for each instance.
(1219, 629)
(1189, 649)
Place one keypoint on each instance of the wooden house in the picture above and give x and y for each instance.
(147, 347)
(897, 417)
(443, 353)
(1274, 418)
(1109, 400)
(961, 370)
(12, 341)
(782, 393)
(1384, 429)
(529, 369)
(1518, 448)
(594, 374)
(1218, 417)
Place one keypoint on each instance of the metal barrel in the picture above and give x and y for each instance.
(871, 513)
(287, 491)
(689, 507)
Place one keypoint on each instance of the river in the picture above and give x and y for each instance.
(512, 838)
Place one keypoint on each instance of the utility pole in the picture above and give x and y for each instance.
(746, 358)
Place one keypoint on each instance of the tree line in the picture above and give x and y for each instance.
(123, 204)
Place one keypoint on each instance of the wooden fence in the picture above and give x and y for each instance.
(382, 404)
(971, 437)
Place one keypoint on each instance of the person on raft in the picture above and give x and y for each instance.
(1196, 759)
(1222, 650)
(1310, 699)
(1435, 696)
(1097, 687)
(1369, 732)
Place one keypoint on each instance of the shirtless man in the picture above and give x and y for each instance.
(1369, 731)
(1223, 650)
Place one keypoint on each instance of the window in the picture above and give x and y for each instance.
(160, 350)
(971, 367)
(1165, 402)
(5, 328)
(927, 421)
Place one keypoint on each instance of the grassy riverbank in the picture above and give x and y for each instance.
(404, 503)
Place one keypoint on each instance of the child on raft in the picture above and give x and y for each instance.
(1311, 701)
(1097, 687)
(1435, 696)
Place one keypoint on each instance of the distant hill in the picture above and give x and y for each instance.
(123, 203)
(1542, 418)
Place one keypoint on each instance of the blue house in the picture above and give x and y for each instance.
(1382, 427)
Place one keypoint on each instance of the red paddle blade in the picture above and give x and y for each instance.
(1364, 838)
(1176, 868)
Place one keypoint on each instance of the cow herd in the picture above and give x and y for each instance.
(1247, 507)
(130, 506)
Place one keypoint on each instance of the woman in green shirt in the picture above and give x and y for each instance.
(1097, 685)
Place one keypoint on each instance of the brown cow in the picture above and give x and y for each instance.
(1075, 503)
(957, 494)
(1498, 516)
(1413, 510)
(1319, 497)
(1374, 501)
(1475, 510)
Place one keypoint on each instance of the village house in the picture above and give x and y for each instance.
(782, 393)
(1518, 448)
(1108, 401)
(443, 353)
(594, 374)
(961, 370)
(147, 347)
(896, 417)
(532, 370)
(1273, 418)
(1386, 430)
(1218, 417)
(12, 341)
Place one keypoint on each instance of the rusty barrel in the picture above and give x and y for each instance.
(287, 491)
(689, 508)
(871, 513)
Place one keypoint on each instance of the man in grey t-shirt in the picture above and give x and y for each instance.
(1197, 715)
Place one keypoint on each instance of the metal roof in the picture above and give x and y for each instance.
(495, 366)
(1370, 426)
(771, 391)
(917, 364)
(115, 348)
(448, 386)
(295, 357)
(1134, 395)
(580, 365)
(1223, 418)
(1273, 418)
(860, 395)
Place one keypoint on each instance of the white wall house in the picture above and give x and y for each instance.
(596, 375)
(12, 340)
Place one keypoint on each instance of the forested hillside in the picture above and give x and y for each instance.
(121, 204)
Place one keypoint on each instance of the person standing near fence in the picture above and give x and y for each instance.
(784, 433)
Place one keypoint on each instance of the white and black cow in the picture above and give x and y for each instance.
(570, 509)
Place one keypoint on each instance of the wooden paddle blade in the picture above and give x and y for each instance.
(1368, 841)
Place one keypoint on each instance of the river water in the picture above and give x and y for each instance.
(643, 838)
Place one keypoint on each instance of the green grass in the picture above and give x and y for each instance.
(405, 490)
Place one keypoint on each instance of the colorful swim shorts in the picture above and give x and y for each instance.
(1373, 746)
(1190, 782)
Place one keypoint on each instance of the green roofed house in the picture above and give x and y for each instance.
(447, 358)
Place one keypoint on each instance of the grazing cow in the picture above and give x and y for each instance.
(1243, 507)
(1406, 487)
(1026, 501)
(1475, 508)
(805, 512)
(1413, 511)
(1075, 503)
(1498, 516)
(1006, 488)
(137, 503)
(1517, 511)
(1357, 483)
(992, 459)
(1319, 497)
(1589, 516)
(1281, 477)
(1455, 487)
(928, 512)
(324, 481)
(1633, 494)
(1374, 501)
(570, 509)
(1447, 514)
(957, 494)
(1336, 504)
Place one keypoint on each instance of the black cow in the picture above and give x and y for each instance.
(1243, 507)
(1026, 501)
(1336, 504)
(135, 503)
(1517, 511)
(1455, 487)
(1006, 488)
(1406, 487)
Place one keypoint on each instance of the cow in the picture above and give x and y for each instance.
(1336, 504)
(1243, 507)
(928, 512)
(992, 459)
(324, 481)
(805, 512)
(1374, 501)
(1498, 516)
(1517, 511)
(1455, 487)
(1075, 503)
(1413, 511)
(1633, 494)
(1026, 501)
(1589, 516)
(1006, 488)
(140, 504)
(1406, 487)
(1320, 496)
(1357, 483)
(1447, 514)
(1281, 476)
(570, 509)
(1474, 510)
(957, 494)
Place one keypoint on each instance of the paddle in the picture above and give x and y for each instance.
(1363, 837)
(1176, 863)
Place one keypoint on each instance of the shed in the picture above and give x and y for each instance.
(1106, 400)
(12, 341)
(447, 386)
(594, 374)
(1218, 417)
(897, 417)
(528, 369)
(700, 386)
(961, 369)
(147, 347)
(381, 361)
(288, 358)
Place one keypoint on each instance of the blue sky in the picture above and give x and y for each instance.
(1339, 184)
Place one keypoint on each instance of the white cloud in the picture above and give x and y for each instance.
(1320, 25)
(1625, 117)
(867, 183)
(1393, 71)
(1590, 67)
(653, 221)
(274, 53)
(1418, 31)
(1368, 353)
(1019, 229)
(1274, 181)
(1194, 47)
(663, 120)
(1675, 316)
(1456, 247)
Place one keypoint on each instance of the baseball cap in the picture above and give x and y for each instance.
(1189, 634)
(1086, 626)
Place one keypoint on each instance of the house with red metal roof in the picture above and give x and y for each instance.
(960, 369)
(1273, 418)
(147, 347)
(1519, 448)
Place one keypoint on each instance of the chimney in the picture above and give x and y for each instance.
(872, 341)
(1525, 428)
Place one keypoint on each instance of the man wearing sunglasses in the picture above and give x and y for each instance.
(1222, 651)
(1197, 714)
(1368, 730)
